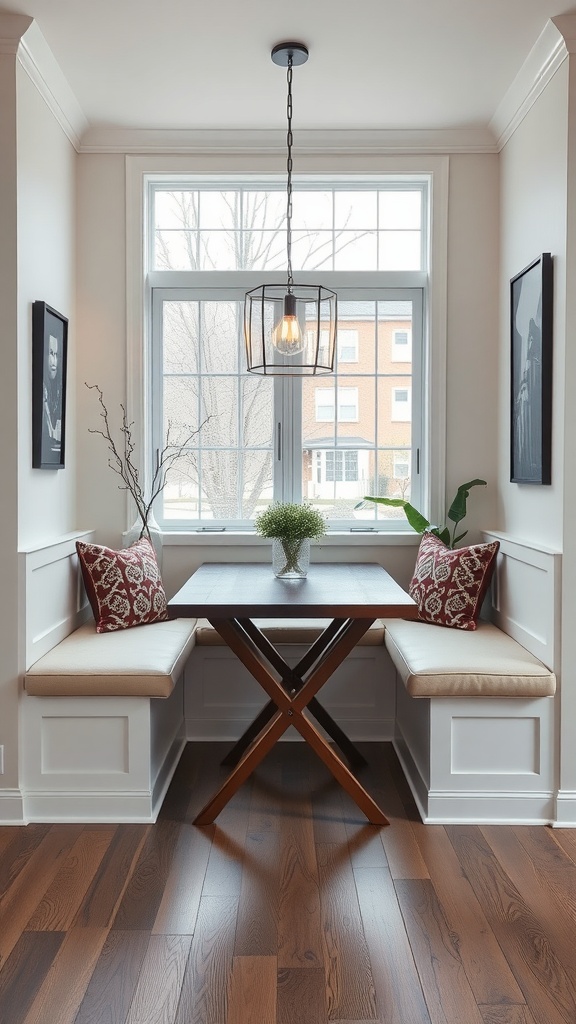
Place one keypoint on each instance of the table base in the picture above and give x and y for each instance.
(290, 696)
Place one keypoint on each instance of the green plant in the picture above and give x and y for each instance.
(418, 522)
(291, 523)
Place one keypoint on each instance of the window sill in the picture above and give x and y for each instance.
(244, 539)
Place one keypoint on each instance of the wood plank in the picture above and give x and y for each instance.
(143, 894)
(20, 844)
(300, 941)
(547, 989)
(31, 882)
(485, 964)
(399, 997)
(566, 840)
(257, 928)
(64, 987)
(224, 870)
(204, 995)
(301, 997)
(399, 842)
(448, 995)
(158, 990)
(24, 971)
(502, 1014)
(178, 908)
(554, 870)
(112, 985)
(350, 991)
(252, 998)
(62, 899)
(556, 918)
(114, 872)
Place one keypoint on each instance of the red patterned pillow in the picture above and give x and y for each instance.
(448, 585)
(124, 587)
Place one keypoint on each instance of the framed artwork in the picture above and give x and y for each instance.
(531, 302)
(49, 352)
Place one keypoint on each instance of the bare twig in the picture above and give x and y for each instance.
(121, 459)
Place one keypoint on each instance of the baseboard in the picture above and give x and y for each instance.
(565, 816)
(11, 807)
(89, 808)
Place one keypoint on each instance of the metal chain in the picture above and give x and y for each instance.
(289, 141)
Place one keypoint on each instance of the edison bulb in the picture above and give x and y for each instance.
(287, 336)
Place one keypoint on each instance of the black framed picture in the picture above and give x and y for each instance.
(531, 302)
(49, 352)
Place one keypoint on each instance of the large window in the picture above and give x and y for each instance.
(332, 439)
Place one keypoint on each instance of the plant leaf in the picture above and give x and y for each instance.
(417, 521)
(444, 534)
(459, 538)
(457, 510)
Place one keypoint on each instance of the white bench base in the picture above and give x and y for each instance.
(478, 760)
(99, 759)
(222, 699)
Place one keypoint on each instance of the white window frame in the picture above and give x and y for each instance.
(141, 169)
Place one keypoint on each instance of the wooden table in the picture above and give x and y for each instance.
(232, 595)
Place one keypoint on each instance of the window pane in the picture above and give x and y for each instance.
(394, 319)
(219, 210)
(180, 408)
(400, 209)
(399, 250)
(394, 412)
(257, 411)
(221, 324)
(263, 210)
(178, 209)
(180, 337)
(256, 483)
(312, 210)
(176, 250)
(355, 250)
(354, 210)
(220, 484)
(219, 400)
(312, 250)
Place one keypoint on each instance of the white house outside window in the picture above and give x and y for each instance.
(330, 440)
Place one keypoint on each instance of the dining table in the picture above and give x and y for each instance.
(234, 596)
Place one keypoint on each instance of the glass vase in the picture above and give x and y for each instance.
(153, 533)
(290, 558)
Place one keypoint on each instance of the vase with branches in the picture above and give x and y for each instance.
(121, 459)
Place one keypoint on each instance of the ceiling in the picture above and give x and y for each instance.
(374, 64)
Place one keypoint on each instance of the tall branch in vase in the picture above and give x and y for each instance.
(121, 459)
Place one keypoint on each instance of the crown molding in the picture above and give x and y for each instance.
(307, 141)
(12, 28)
(541, 64)
(41, 66)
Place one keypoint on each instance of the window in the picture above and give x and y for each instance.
(330, 440)
(401, 346)
(401, 404)
(347, 405)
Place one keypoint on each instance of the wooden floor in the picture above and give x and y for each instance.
(291, 909)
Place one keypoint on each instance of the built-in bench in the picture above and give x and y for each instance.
(474, 710)
(102, 713)
(105, 716)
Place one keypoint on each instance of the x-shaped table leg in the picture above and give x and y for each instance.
(289, 711)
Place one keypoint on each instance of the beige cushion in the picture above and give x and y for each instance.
(287, 631)
(141, 662)
(437, 662)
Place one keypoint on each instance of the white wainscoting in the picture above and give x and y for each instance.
(222, 698)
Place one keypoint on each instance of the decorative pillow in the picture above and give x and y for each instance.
(124, 587)
(448, 585)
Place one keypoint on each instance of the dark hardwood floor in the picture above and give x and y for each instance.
(290, 909)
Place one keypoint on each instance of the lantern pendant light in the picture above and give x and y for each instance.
(290, 329)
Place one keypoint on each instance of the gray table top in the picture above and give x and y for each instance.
(250, 590)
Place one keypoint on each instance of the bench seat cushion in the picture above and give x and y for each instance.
(287, 631)
(437, 662)
(145, 661)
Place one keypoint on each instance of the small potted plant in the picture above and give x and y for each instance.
(291, 527)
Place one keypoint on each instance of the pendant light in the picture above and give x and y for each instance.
(290, 329)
